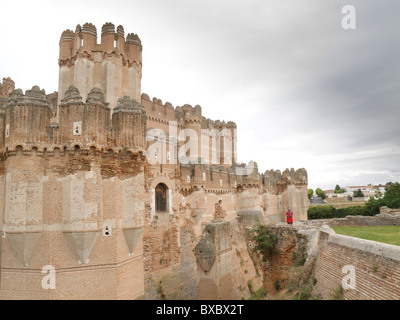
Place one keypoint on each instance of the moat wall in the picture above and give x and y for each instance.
(343, 267)
(375, 268)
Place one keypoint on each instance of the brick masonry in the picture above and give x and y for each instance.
(376, 268)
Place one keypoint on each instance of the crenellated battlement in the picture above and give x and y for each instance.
(165, 112)
(73, 151)
(33, 97)
(84, 39)
(274, 180)
(298, 176)
(6, 87)
(89, 28)
(114, 64)
(234, 178)
(25, 121)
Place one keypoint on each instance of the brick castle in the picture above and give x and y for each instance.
(79, 196)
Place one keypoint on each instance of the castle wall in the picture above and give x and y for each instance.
(295, 198)
(86, 182)
(56, 218)
(192, 209)
(370, 269)
(78, 189)
(83, 76)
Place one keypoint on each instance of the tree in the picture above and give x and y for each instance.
(321, 212)
(358, 194)
(338, 189)
(391, 199)
(392, 195)
(378, 193)
(310, 193)
(320, 193)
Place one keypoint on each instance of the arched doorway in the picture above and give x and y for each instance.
(161, 197)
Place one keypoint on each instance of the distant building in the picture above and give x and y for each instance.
(362, 188)
(332, 194)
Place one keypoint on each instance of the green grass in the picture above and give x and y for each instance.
(258, 295)
(385, 234)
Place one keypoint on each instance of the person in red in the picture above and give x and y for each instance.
(289, 216)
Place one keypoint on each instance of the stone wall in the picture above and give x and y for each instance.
(314, 260)
(370, 269)
(60, 210)
(172, 269)
(382, 219)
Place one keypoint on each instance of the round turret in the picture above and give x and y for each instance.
(129, 123)
(108, 37)
(89, 37)
(95, 96)
(89, 28)
(120, 31)
(72, 95)
(66, 44)
(133, 38)
(27, 117)
(134, 48)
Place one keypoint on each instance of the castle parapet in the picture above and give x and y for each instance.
(87, 38)
(129, 123)
(26, 118)
(84, 124)
(298, 177)
(275, 181)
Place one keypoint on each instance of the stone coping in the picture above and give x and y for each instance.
(378, 248)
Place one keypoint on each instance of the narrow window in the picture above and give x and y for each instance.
(79, 42)
(161, 197)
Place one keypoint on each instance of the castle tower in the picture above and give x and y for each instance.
(27, 118)
(70, 113)
(73, 206)
(129, 123)
(114, 66)
(96, 119)
(83, 124)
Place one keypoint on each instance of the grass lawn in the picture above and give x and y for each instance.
(386, 234)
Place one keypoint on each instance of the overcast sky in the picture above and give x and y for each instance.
(303, 91)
